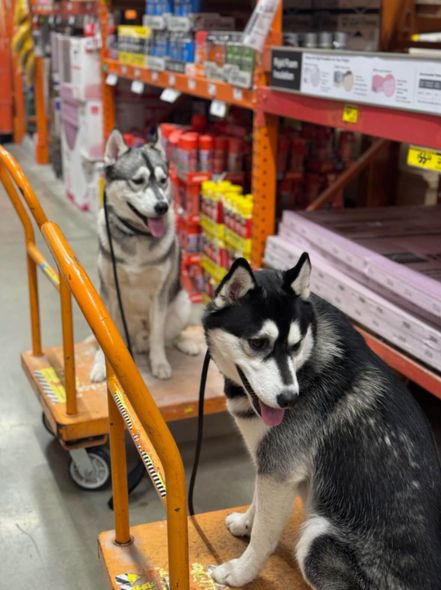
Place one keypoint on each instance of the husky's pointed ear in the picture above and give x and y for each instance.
(236, 284)
(297, 278)
(115, 147)
(157, 142)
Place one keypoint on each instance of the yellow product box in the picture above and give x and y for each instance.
(134, 31)
(213, 229)
(239, 244)
(213, 269)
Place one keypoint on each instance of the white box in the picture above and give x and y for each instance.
(85, 68)
(82, 145)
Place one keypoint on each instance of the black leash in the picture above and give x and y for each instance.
(200, 432)
(136, 475)
(115, 277)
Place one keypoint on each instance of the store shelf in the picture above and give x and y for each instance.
(64, 8)
(192, 85)
(396, 125)
(403, 364)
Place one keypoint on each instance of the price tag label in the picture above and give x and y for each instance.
(422, 158)
(237, 94)
(137, 73)
(124, 69)
(212, 89)
(155, 76)
(350, 114)
(171, 80)
(218, 108)
(137, 87)
(111, 79)
(191, 83)
(170, 95)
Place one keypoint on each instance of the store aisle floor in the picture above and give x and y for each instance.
(48, 527)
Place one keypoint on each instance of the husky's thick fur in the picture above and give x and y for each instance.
(324, 418)
(142, 226)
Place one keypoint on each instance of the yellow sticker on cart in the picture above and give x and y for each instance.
(152, 580)
(422, 158)
(50, 273)
(51, 385)
(350, 114)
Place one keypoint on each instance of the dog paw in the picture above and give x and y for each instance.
(232, 573)
(98, 371)
(187, 346)
(239, 524)
(161, 369)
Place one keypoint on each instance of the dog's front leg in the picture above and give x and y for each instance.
(240, 524)
(273, 505)
(158, 361)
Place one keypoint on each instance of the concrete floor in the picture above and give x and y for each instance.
(48, 527)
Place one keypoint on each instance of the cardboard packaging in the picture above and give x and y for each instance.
(394, 251)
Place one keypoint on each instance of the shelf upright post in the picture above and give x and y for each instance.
(42, 147)
(108, 92)
(264, 172)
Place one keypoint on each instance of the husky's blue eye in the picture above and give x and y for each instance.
(258, 343)
(138, 181)
(162, 181)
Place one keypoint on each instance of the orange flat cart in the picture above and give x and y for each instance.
(75, 409)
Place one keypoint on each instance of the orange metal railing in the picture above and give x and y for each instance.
(25, 203)
(122, 373)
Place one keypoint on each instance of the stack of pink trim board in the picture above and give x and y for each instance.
(382, 267)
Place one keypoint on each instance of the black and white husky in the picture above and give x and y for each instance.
(324, 418)
(142, 227)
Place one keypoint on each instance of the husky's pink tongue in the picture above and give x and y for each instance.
(271, 416)
(157, 226)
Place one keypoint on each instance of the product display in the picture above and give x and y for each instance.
(211, 236)
(310, 157)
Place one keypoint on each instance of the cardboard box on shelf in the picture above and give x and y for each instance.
(85, 67)
(82, 145)
(394, 251)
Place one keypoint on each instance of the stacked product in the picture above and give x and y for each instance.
(380, 266)
(332, 24)
(226, 221)
(78, 70)
(310, 157)
(177, 36)
(197, 154)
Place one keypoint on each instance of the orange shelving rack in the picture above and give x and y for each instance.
(398, 21)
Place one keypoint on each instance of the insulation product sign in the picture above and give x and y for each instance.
(401, 82)
(286, 70)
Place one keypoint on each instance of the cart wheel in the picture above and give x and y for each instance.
(46, 424)
(101, 477)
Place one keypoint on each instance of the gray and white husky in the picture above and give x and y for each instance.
(142, 226)
(324, 418)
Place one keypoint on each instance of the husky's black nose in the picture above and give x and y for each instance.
(161, 208)
(287, 399)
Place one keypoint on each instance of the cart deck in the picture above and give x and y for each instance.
(210, 543)
(177, 398)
